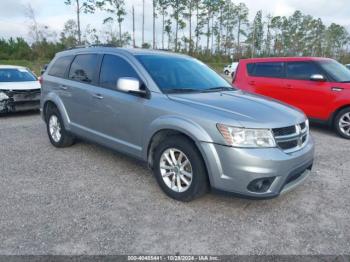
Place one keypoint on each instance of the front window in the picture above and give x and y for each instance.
(336, 70)
(180, 74)
(301, 70)
(16, 75)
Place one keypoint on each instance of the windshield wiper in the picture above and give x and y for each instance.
(219, 88)
(348, 81)
(181, 90)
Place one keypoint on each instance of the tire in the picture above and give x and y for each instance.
(198, 183)
(227, 72)
(65, 139)
(342, 123)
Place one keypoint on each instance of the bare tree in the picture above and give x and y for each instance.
(133, 27)
(154, 4)
(117, 9)
(143, 22)
(38, 32)
(87, 6)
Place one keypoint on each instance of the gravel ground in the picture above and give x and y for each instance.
(88, 200)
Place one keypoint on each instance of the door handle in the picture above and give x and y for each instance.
(251, 83)
(63, 87)
(289, 86)
(337, 89)
(97, 96)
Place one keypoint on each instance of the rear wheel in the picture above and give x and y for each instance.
(227, 72)
(179, 169)
(56, 131)
(342, 123)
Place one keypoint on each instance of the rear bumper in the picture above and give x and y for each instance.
(19, 100)
(234, 170)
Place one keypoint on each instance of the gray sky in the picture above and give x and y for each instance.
(54, 13)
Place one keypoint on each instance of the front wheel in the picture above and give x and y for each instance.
(179, 169)
(342, 123)
(227, 72)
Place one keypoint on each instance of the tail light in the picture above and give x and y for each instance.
(40, 78)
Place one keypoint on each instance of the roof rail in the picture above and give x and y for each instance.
(93, 45)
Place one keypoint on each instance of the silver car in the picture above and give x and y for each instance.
(190, 125)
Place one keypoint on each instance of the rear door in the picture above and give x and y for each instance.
(266, 78)
(80, 89)
(56, 81)
(313, 97)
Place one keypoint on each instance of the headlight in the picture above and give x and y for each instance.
(3, 96)
(245, 137)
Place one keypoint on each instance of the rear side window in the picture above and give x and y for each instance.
(269, 69)
(60, 66)
(112, 68)
(301, 70)
(83, 68)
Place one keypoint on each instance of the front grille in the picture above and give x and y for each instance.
(291, 138)
(284, 131)
(288, 144)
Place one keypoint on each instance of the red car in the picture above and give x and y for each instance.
(318, 86)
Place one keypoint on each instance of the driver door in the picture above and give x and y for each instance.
(313, 97)
(117, 117)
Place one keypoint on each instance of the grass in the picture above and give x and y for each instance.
(34, 66)
(218, 67)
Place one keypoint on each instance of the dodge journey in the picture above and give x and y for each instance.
(193, 128)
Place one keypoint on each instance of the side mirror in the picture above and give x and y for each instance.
(130, 85)
(318, 78)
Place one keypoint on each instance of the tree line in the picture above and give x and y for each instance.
(208, 29)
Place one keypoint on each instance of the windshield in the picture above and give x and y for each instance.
(16, 75)
(181, 74)
(336, 70)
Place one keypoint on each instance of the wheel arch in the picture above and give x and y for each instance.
(335, 113)
(163, 128)
(54, 100)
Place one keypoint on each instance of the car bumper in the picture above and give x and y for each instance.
(19, 100)
(235, 170)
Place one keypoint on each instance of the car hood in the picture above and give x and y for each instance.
(27, 85)
(249, 110)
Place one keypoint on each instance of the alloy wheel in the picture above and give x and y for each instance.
(344, 124)
(55, 128)
(176, 170)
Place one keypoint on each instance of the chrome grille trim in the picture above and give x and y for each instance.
(300, 137)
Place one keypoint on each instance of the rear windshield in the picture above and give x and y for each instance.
(16, 75)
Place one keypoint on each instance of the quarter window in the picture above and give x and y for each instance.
(112, 68)
(83, 68)
(60, 66)
(301, 70)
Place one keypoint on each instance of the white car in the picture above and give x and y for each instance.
(230, 69)
(19, 89)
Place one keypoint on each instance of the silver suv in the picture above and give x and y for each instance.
(189, 124)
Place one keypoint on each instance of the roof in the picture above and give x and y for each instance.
(12, 67)
(132, 51)
(283, 59)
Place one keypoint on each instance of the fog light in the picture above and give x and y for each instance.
(261, 185)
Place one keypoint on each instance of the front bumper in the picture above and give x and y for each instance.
(19, 100)
(233, 170)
